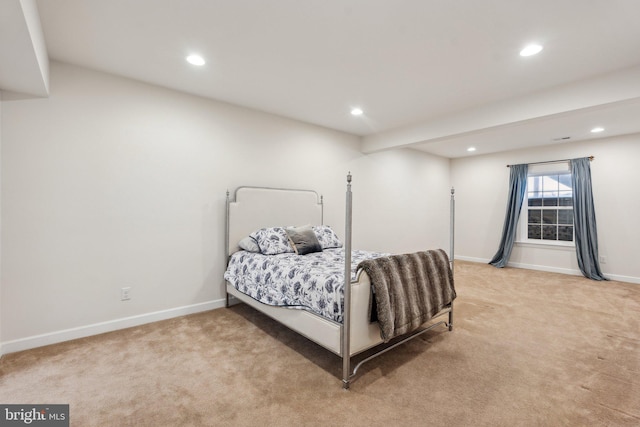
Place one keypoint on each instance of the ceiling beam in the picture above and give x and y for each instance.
(605, 90)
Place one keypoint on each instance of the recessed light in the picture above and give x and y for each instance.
(195, 60)
(356, 111)
(597, 130)
(532, 49)
(471, 149)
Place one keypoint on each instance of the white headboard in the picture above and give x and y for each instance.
(253, 208)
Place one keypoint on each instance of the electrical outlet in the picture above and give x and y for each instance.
(603, 259)
(125, 294)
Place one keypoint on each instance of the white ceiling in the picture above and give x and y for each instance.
(434, 75)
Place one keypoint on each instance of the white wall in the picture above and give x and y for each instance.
(111, 183)
(482, 185)
(1, 340)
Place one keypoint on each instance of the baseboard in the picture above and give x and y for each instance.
(471, 259)
(109, 326)
(620, 278)
(616, 277)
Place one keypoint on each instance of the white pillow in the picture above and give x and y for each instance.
(327, 237)
(272, 241)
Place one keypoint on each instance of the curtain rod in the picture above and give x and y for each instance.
(552, 161)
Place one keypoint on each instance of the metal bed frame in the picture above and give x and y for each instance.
(347, 374)
(345, 328)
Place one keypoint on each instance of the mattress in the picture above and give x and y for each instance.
(313, 282)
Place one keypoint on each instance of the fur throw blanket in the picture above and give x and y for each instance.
(409, 289)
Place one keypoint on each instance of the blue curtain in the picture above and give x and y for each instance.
(584, 220)
(517, 189)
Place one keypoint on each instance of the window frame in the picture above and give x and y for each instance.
(522, 237)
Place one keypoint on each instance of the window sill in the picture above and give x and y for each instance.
(566, 246)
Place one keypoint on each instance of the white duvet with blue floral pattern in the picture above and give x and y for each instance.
(314, 281)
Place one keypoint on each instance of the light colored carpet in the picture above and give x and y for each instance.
(528, 349)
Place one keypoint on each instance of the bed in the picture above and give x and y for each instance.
(339, 320)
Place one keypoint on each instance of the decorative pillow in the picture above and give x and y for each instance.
(327, 237)
(303, 240)
(272, 241)
(249, 245)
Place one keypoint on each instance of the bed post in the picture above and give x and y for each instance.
(452, 229)
(226, 245)
(346, 312)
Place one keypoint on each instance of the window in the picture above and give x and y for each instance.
(547, 214)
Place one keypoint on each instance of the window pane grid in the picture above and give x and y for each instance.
(550, 207)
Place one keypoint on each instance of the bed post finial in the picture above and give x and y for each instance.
(349, 178)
